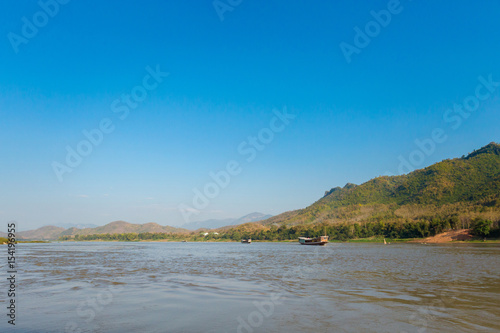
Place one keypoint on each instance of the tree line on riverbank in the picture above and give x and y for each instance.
(342, 232)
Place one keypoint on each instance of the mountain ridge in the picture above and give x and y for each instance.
(446, 187)
(220, 223)
(51, 232)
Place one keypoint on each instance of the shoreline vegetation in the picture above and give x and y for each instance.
(4, 241)
(436, 231)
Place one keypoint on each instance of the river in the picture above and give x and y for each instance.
(258, 287)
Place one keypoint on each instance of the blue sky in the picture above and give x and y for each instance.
(353, 120)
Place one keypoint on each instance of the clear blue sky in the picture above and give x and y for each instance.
(353, 120)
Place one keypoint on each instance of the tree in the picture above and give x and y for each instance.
(481, 227)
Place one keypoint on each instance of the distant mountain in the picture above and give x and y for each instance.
(73, 225)
(462, 188)
(208, 224)
(215, 223)
(120, 227)
(117, 227)
(252, 217)
(49, 232)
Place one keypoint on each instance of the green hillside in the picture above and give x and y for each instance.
(463, 188)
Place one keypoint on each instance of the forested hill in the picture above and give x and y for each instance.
(460, 187)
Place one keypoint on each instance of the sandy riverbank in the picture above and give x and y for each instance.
(449, 236)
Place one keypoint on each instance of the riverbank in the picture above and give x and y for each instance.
(5, 241)
(462, 235)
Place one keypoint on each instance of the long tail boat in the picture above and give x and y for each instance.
(321, 240)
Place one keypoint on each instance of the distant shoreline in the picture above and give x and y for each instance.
(450, 236)
(360, 241)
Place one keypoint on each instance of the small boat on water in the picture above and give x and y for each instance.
(246, 241)
(321, 240)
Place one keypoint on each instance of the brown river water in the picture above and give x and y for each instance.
(258, 287)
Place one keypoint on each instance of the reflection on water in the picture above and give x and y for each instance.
(262, 287)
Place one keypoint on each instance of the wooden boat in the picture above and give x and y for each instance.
(246, 241)
(321, 240)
